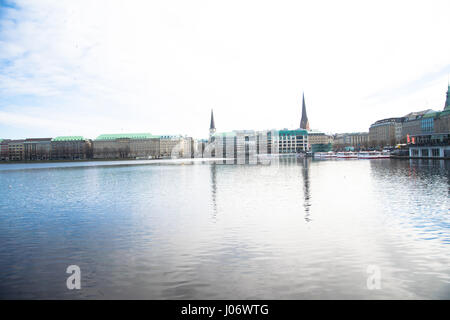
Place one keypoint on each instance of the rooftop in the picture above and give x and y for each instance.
(225, 134)
(415, 115)
(388, 120)
(293, 132)
(38, 140)
(115, 136)
(68, 138)
(169, 136)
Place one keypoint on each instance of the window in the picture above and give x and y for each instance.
(424, 152)
(427, 125)
(435, 152)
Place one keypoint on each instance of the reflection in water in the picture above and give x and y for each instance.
(214, 189)
(305, 162)
(163, 232)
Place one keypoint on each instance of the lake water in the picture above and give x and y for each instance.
(295, 229)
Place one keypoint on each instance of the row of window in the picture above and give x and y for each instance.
(435, 152)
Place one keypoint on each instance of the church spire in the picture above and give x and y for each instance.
(212, 126)
(304, 123)
(447, 100)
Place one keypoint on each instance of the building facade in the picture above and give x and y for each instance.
(358, 140)
(292, 141)
(126, 146)
(319, 138)
(71, 148)
(176, 146)
(386, 132)
(36, 149)
(246, 145)
(430, 136)
(4, 150)
(16, 150)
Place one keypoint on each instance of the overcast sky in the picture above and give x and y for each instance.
(103, 66)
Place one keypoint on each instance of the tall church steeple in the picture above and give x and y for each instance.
(212, 126)
(304, 123)
(447, 100)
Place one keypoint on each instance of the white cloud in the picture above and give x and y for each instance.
(159, 66)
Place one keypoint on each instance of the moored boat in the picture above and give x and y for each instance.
(368, 155)
(384, 154)
(346, 155)
(324, 155)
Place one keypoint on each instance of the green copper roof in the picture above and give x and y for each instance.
(126, 136)
(293, 132)
(1, 140)
(68, 138)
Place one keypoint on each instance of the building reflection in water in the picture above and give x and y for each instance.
(213, 170)
(305, 162)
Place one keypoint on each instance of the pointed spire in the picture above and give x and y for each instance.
(304, 123)
(447, 100)
(212, 126)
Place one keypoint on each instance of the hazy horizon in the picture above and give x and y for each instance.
(92, 67)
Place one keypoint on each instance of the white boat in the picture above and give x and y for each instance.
(369, 155)
(346, 155)
(324, 155)
(385, 154)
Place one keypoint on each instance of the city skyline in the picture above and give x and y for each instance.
(103, 67)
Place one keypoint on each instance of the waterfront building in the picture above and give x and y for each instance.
(292, 141)
(4, 149)
(245, 145)
(412, 125)
(386, 132)
(358, 140)
(126, 146)
(37, 149)
(430, 137)
(199, 147)
(16, 150)
(237, 144)
(176, 146)
(318, 137)
(265, 142)
(71, 148)
(319, 141)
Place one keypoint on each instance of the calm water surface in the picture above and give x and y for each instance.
(296, 229)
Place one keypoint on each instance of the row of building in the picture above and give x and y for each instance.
(421, 130)
(427, 132)
(233, 144)
(422, 127)
(105, 146)
(427, 127)
(243, 146)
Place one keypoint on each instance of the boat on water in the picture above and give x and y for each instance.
(346, 155)
(325, 155)
(352, 155)
(368, 155)
(385, 154)
(373, 155)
